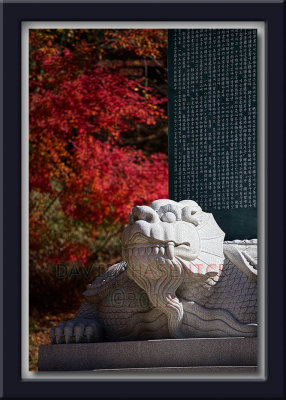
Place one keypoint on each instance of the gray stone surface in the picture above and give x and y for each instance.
(198, 352)
(179, 279)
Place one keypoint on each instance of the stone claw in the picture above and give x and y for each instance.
(79, 331)
(89, 333)
(76, 331)
(68, 331)
(52, 335)
(59, 334)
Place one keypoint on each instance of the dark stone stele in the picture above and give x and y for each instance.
(212, 92)
(168, 355)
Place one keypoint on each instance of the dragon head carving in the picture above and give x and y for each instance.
(165, 246)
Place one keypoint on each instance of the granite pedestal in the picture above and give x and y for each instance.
(199, 354)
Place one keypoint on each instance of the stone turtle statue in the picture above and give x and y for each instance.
(178, 279)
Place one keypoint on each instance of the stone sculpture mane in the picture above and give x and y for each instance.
(192, 282)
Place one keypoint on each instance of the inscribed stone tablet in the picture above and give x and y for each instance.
(213, 124)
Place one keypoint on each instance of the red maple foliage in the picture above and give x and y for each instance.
(79, 164)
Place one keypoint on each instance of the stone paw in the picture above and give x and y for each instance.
(76, 331)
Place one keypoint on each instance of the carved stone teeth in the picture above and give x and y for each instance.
(135, 251)
(149, 250)
(170, 250)
(130, 251)
(142, 251)
(155, 250)
(162, 250)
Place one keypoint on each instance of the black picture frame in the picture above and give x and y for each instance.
(13, 14)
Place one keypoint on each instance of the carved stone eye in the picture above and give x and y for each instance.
(169, 213)
(143, 213)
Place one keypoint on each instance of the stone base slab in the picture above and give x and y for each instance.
(177, 354)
